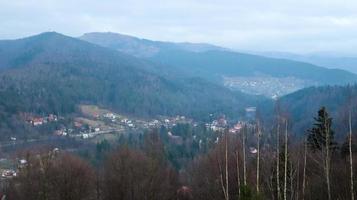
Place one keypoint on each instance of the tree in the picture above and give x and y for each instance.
(350, 152)
(130, 174)
(278, 160)
(286, 160)
(321, 139)
(284, 166)
(304, 170)
(49, 175)
(258, 156)
(321, 136)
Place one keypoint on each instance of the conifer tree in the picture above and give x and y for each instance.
(321, 140)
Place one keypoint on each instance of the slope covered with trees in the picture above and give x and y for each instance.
(141, 168)
(250, 73)
(52, 73)
(300, 107)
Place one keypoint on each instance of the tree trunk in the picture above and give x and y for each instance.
(244, 161)
(221, 174)
(351, 158)
(298, 179)
(226, 158)
(238, 175)
(327, 160)
(286, 160)
(258, 158)
(304, 171)
(277, 161)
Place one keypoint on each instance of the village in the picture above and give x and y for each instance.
(96, 123)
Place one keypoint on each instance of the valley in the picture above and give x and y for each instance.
(268, 86)
(177, 112)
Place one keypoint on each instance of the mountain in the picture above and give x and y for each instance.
(238, 71)
(329, 60)
(53, 73)
(142, 47)
(301, 107)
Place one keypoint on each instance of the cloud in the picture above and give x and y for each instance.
(275, 25)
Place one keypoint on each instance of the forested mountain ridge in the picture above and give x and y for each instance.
(347, 62)
(300, 107)
(52, 73)
(249, 73)
(218, 63)
(142, 47)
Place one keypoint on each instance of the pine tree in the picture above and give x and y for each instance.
(321, 132)
(321, 139)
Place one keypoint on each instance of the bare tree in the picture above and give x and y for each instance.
(224, 179)
(238, 174)
(57, 177)
(258, 156)
(350, 151)
(226, 162)
(286, 159)
(304, 170)
(277, 160)
(244, 158)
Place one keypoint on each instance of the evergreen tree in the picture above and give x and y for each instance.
(321, 139)
(322, 128)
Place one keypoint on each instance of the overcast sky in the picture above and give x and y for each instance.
(259, 25)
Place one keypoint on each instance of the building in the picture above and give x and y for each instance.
(37, 121)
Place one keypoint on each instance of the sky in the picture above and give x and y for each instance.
(299, 26)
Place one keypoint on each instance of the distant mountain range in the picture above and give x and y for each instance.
(249, 73)
(53, 73)
(143, 47)
(325, 59)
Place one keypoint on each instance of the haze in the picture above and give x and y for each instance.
(280, 25)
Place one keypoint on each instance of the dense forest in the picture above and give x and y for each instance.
(300, 107)
(53, 73)
(213, 62)
(255, 163)
(300, 146)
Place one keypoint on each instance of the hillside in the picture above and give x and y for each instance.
(301, 107)
(238, 71)
(142, 47)
(53, 73)
(329, 60)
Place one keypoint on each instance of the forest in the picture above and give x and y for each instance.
(255, 163)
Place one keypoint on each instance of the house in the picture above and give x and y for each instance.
(37, 121)
(78, 124)
(22, 163)
(236, 128)
(110, 115)
(253, 150)
(8, 173)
